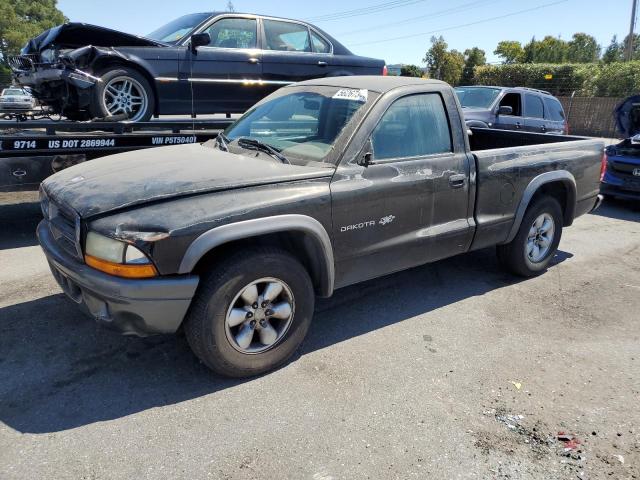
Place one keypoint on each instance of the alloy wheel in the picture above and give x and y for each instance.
(540, 238)
(125, 95)
(259, 315)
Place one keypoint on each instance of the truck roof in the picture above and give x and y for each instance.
(376, 83)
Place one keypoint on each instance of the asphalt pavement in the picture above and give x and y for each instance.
(452, 370)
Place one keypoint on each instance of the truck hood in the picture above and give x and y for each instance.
(627, 115)
(134, 178)
(75, 35)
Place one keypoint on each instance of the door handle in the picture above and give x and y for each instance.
(322, 64)
(543, 128)
(518, 125)
(457, 181)
(254, 60)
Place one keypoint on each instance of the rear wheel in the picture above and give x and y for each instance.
(251, 313)
(123, 93)
(537, 240)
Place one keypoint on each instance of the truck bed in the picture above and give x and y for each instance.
(507, 161)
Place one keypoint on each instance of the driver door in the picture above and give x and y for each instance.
(226, 73)
(411, 205)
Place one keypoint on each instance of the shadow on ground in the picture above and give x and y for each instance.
(619, 209)
(18, 224)
(59, 371)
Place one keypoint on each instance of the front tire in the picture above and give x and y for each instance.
(251, 313)
(537, 240)
(123, 93)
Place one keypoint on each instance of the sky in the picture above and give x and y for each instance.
(395, 30)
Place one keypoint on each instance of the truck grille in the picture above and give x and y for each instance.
(64, 225)
(23, 63)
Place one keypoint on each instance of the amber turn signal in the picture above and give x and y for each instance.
(121, 270)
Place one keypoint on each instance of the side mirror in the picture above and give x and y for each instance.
(366, 155)
(199, 40)
(505, 110)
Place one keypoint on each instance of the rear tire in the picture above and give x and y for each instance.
(537, 240)
(122, 94)
(251, 312)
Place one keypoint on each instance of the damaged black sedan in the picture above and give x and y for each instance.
(197, 64)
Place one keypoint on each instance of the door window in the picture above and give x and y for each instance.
(319, 44)
(512, 100)
(233, 33)
(286, 36)
(533, 106)
(413, 126)
(553, 109)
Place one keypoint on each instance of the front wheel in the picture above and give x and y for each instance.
(123, 93)
(251, 312)
(537, 240)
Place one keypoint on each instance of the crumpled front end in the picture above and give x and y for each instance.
(59, 84)
(58, 64)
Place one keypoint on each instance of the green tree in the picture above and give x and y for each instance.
(443, 64)
(613, 53)
(510, 51)
(529, 51)
(21, 20)
(410, 71)
(473, 57)
(583, 48)
(636, 47)
(453, 67)
(551, 50)
(436, 56)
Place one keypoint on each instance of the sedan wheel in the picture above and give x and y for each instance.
(125, 95)
(122, 93)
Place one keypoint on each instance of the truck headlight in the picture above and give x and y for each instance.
(117, 258)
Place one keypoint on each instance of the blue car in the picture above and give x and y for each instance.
(621, 167)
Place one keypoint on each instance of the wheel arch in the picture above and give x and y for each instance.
(559, 184)
(302, 236)
(476, 124)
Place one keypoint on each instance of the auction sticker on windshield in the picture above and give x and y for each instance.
(358, 95)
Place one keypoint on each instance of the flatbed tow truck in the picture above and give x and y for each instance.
(31, 150)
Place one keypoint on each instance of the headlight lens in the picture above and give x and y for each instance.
(48, 55)
(117, 258)
(105, 248)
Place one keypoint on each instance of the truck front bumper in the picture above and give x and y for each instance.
(132, 307)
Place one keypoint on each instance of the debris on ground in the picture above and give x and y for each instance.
(570, 442)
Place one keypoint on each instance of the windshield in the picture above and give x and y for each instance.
(174, 31)
(477, 97)
(13, 91)
(302, 123)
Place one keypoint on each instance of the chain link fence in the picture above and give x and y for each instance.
(591, 116)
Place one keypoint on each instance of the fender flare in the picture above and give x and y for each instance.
(544, 178)
(476, 124)
(261, 226)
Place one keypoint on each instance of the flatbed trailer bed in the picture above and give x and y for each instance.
(31, 151)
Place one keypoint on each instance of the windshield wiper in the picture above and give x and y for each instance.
(253, 144)
(222, 141)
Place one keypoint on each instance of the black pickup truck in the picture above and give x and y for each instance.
(322, 184)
